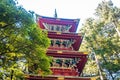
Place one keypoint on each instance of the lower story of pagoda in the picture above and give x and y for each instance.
(30, 77)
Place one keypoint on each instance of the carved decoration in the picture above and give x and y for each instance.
(62, 43)
(57, 28)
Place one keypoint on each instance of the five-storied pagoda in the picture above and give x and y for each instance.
(68, 62)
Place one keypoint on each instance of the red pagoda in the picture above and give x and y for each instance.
(68, 62)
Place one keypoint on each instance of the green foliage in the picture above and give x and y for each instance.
(105, 44)
(22, 43)
(90, 69)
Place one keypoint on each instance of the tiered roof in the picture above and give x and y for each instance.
(65, 43)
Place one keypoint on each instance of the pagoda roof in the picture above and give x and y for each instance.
(70, 54)
(75, 36)
(59, 21)
(54, 77)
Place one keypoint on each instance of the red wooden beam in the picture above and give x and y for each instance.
(66, 54)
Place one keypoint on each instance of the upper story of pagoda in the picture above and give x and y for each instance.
(58, 24)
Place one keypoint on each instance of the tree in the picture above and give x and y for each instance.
(90, 69)
(104, 42)
(22, 43)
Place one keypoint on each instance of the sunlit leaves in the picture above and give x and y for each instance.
(90, 69)
(21, 42)
(106, 44)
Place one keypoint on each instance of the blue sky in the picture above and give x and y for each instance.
(72, 9)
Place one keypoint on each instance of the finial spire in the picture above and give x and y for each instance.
(55, 15)
(110, 2)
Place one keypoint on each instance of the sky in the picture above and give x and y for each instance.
(70, 9)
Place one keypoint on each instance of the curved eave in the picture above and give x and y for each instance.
(66, 54)
(59, 21)
(55, 77)
(75, 36)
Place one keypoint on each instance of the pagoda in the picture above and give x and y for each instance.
(68, 62)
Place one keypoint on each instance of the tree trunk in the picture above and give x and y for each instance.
(97, 62)
(11, 76)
